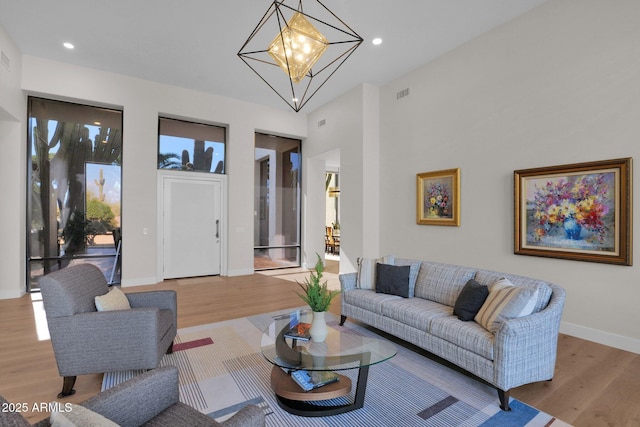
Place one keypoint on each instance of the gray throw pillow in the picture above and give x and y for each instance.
(470, 300)
(393, 279)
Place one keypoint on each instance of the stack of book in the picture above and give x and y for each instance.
(299, 332)
(311, 380)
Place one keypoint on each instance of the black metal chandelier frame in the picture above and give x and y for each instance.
(297, 100)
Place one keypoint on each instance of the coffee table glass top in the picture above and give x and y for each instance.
(342, 349)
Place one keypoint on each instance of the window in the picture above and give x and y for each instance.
(74, 187)
(191, 146)
(277, 202)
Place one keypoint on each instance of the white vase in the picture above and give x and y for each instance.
(318, 329)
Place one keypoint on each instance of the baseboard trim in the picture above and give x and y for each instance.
(11, 294)
(139, 282)
(601, 337)
(244, 272)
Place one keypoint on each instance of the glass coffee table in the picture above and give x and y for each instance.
(342, 350)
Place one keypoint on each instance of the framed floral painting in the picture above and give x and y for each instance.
(580, 211)
(438, 197)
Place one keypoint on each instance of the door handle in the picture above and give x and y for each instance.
(217, 228)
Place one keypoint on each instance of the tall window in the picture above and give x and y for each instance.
(74, 187)
(277, 202)
(191, 146)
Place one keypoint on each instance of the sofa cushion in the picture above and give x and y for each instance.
(415, 312)
(442, 282)
(115, 299)
(414, 269)
(471, 298)
(505, 301)
(367, 299)
(487, 277)
(468, 335)
(366, 277)
(392, 279)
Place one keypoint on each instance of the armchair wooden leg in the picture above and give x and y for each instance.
(67, 387)
(170, 349)
(342, 319)
(504, 399)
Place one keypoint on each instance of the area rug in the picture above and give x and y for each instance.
(222, 370)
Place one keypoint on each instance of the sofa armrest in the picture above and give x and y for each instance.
(138, 400)
(347, 281)
(526, 347)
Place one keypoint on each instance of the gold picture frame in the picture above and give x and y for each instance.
(580, 211)
(438, 197)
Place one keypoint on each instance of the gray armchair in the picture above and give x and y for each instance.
(86, 341)
(150, 399)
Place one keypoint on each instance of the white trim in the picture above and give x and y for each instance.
(244, 272)
(11, 294)
(143, 281)
(601, 337)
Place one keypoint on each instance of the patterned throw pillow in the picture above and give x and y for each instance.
(115, 299)
(79, 416)
(366, 278)
(505, 301)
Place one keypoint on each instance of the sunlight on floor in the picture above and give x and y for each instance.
(42, 328)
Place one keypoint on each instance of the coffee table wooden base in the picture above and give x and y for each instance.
(294, 400)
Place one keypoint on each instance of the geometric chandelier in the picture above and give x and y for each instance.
(296, 49)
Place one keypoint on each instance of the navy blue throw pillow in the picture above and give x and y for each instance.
(393, 279)
(470, 300)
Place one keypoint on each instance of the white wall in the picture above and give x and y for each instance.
(351, 126)
(12, 175)
(142, 102)
(559, 85)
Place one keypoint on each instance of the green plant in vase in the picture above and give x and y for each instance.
(318, 296)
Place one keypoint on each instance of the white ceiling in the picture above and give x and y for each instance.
(194, 43)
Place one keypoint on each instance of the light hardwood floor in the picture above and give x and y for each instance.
(594, 385)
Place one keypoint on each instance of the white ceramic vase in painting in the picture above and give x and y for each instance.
(318, 329)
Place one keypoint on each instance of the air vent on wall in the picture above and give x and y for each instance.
(402, 93)
(5, 60)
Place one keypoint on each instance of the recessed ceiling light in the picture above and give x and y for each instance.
(376, 41)
(68, 45)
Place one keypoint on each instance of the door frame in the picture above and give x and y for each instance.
(192, 176)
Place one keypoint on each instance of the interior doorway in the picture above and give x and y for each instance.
(332, 215)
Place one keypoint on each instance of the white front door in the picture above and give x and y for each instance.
(192, 226)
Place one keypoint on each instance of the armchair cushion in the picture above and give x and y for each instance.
(115, 299)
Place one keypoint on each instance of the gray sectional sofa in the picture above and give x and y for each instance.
(514, 352)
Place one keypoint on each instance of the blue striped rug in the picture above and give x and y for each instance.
(222, 369)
